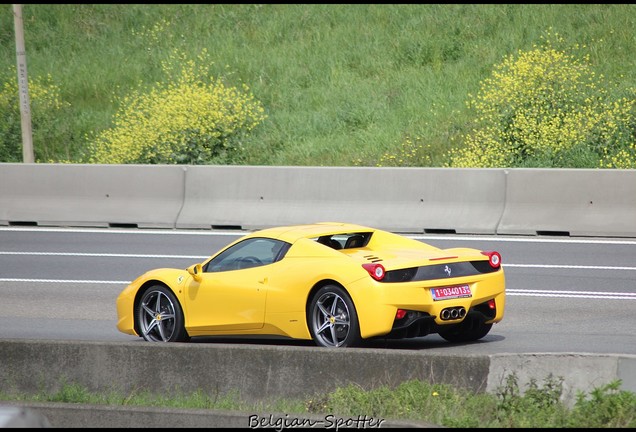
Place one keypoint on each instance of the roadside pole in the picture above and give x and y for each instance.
(23, 85)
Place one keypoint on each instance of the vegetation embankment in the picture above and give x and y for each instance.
(447, 85)
(537, 406)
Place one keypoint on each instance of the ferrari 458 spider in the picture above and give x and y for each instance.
(337, 284)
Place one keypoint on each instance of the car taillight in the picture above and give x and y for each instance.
(494, 258)
(401, 313)
(376, 270)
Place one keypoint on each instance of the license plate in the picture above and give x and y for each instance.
(451, 292)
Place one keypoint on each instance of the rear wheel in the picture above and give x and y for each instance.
(332, 318)
(471, 329)
(160, 317)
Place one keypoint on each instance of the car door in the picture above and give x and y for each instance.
(232, 291)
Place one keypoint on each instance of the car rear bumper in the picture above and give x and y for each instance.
(378, 303)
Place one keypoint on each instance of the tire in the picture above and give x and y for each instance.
(159, 316)
(471, 329)
(332, 318)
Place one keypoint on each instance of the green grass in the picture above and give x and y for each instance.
(342, 84)
(537, 406)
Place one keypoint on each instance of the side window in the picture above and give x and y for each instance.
(249, 253)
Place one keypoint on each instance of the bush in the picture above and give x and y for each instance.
(45, 105)
(606, 407)
(546, 108)
(192, 118)
(411, 153)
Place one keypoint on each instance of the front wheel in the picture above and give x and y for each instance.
(332, 318)
(160, 317)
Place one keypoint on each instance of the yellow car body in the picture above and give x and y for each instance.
(311, 290)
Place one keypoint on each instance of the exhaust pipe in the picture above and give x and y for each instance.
(453, 313)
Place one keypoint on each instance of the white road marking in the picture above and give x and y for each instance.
(197, 257)
(238, 233)
(103, 255)
(64, 281)
(572, 294)
(564, 266)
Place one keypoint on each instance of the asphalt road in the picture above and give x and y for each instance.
(575, 295)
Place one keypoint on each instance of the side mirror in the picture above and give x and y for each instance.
(195, 270)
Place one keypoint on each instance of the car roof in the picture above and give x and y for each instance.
(294, 232)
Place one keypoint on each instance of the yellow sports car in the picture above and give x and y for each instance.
(337, 284)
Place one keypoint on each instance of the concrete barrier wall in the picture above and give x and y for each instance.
(22, 417)
(256, 373)
(91, 195)
(430, 200)
(571, 202)
(580, 372)
(252, 372)
(397, 199)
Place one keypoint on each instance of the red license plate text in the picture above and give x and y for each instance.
(451, 292)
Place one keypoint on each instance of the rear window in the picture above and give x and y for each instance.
(345, 240)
